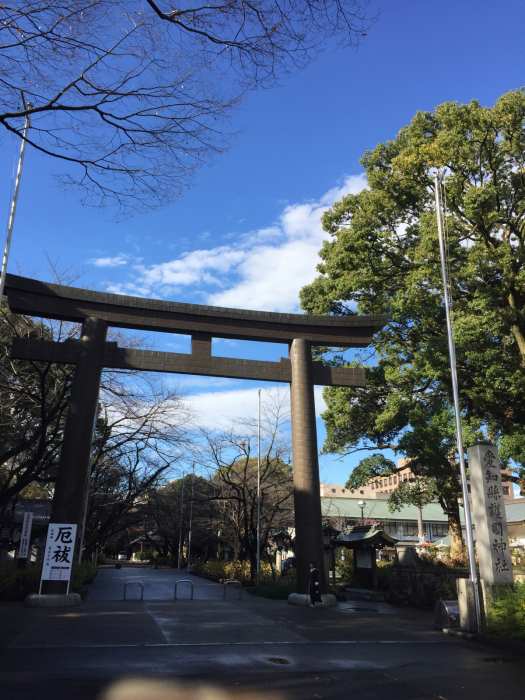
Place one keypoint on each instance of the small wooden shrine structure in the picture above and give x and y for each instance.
(365, 540)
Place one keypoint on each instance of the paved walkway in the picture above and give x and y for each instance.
(159, 584)
(365, 650)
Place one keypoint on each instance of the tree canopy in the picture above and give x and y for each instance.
(384, 258)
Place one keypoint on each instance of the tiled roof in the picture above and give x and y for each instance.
(364, 536)
(40, 507)
(378, 510)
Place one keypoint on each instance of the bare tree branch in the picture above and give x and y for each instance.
(133, 97)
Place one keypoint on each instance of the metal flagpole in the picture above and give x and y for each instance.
(180, 526)
(259, 491)
(452, 353)
(191, 516)
(88, 486)
(13, 205)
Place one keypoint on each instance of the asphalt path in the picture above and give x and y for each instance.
(158, 584)
(367, 650)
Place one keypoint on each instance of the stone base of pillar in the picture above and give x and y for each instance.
(467, 606)
(57, 600)
(329, 600)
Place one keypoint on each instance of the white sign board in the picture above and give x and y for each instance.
(58, 554)
(488, 506)
(23, 552)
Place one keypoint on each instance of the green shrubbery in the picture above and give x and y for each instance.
(158, 559)
(16, 583)
(213, 570)
(142, 556)
(82, 573)
(344, 565)
(278, 590)
(384, 569)
(506, 615)
(432, 556)
(218, 570)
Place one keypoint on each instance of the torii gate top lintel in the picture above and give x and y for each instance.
(46, 300)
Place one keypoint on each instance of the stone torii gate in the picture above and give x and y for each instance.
(96, 311)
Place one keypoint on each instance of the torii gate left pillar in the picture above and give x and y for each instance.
(75, 453)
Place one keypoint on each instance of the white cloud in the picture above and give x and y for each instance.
(216, 408)
(264, 269)
(195, 267)
(117, 261)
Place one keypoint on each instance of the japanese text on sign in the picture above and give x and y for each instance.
(58, 555)
(23, 552)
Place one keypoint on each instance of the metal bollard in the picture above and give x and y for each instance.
(141, 589)
(226, 583)
(183, 580)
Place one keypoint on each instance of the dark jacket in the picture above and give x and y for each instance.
(315, 595)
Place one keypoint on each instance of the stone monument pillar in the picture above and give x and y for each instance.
(73, 467)
(488, 507)
(307, 493)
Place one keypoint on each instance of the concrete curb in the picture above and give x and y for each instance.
(55, 600)
(329, 600)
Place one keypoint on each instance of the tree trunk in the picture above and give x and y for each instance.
(253, 567)
(456, 536)
(271, 567)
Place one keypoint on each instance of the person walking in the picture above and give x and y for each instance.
(315, 595)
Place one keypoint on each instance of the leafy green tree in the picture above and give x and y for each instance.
(384, 258)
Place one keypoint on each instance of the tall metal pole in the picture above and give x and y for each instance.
(86, 500)
(13, 206)
(452, 353)
(259, 491)
(191, 516)
(180, 526)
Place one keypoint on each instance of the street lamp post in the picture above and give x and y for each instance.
(180, 526)
(191, 517)
(362, 505)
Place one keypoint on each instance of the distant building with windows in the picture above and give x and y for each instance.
(342, 512)
(382, 487)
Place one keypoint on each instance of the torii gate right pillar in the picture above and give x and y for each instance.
(307, 494)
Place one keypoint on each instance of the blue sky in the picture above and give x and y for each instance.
(247, 233)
